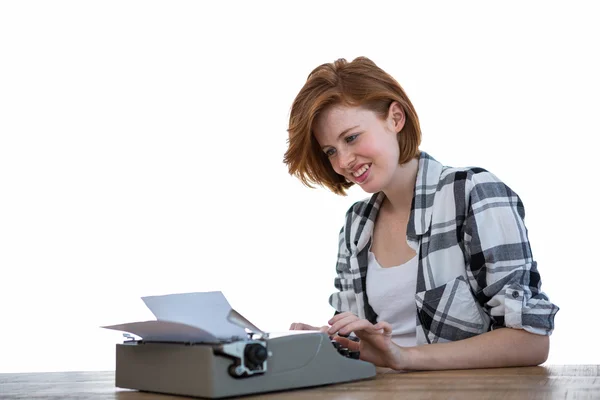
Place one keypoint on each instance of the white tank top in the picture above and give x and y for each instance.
(391, 293)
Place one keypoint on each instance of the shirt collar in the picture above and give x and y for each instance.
(428, 177)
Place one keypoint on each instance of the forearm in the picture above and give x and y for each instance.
(503, 347)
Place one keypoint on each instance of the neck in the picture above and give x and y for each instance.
(400, 191)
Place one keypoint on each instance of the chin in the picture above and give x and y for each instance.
(369, 188)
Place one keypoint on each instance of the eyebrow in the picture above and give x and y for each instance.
(342, 134)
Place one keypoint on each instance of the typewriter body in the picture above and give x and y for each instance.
(199, 346)
(236, 368)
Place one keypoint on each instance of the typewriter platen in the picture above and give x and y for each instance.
(239, 367)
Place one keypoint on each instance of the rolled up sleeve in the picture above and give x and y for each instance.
(500, 260)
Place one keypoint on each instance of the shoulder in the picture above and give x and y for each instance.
(433, 174)
(466, 187)
(479, 190)
(473, 178)
(452, 175)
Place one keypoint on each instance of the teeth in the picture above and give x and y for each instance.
(361, 171)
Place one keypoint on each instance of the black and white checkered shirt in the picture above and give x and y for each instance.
(476, 271)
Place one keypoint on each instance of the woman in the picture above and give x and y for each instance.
(435, 269)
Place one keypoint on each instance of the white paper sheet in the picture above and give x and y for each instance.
(205, 310)
(165, 331)
(187, 317)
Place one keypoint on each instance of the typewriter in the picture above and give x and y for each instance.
(255, 362)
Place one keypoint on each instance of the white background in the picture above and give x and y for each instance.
(141, 148)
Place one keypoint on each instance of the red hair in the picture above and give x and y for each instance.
(357, 83)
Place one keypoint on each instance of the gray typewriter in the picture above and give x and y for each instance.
(175, 357)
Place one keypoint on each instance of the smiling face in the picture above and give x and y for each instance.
(360, 145)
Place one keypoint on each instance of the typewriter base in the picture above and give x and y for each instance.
(296, 361)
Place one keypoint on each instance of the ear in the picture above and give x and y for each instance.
(396, 117)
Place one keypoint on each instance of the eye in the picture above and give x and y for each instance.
(351, 138)
(330, 152)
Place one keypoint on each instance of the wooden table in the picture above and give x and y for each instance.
(548, 382)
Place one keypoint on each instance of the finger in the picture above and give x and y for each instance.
(387, 327)
(341, 323)
(299, 326)
(338, 317)
(361, 326)
(345, 342)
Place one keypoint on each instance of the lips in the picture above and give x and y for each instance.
(361, 173)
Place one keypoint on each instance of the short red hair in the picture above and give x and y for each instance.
(357, 83)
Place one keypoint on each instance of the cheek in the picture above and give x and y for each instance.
(384, 154)
(373, 151)
(368, 150)
(334, 164)
(335, 168)
(392, 150)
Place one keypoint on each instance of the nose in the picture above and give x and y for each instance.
(346, 160)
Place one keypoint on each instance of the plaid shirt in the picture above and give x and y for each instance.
(476, 271)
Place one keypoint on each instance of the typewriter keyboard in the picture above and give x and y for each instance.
(345, 351)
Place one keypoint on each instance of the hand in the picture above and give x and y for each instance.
(375, 343)
(299, 326)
